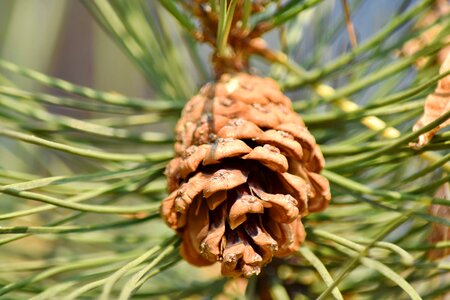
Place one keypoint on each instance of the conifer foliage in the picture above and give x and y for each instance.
(90, 179)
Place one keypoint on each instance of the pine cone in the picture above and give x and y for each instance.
(245, 172)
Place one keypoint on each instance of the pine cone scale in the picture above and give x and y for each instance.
(270, 157)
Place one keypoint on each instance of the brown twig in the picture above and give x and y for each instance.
(349, 24)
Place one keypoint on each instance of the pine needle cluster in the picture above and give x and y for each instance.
(80, 192)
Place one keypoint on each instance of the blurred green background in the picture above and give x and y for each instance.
(60, 38)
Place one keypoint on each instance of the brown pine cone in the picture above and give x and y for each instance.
(246, 170)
